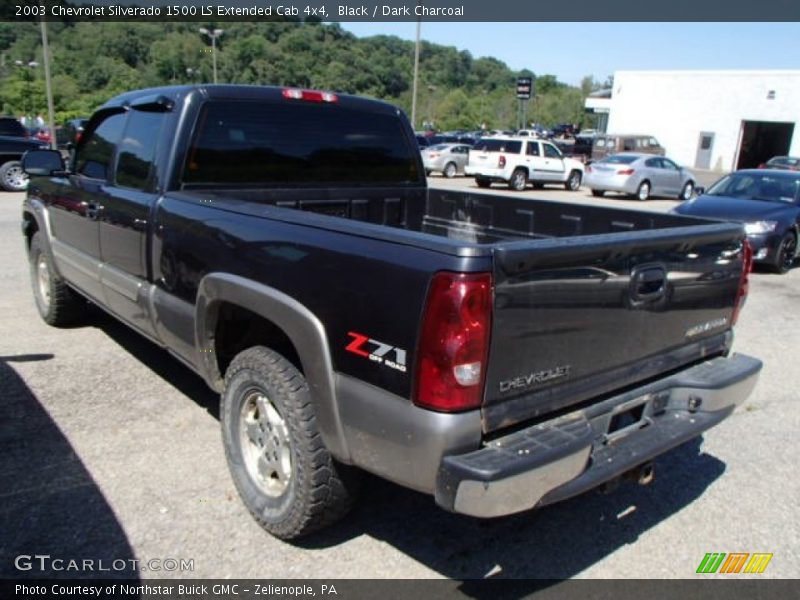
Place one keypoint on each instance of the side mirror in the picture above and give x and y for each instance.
(43, 162)
(699, 191)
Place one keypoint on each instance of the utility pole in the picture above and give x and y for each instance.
(416, 75)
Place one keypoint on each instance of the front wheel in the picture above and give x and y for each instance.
(518, 181)
(687, 191)
(284, 473)
(12, 177)
(643, 191)
(450, 170)
(785, 253)
(573, 182)
(57, 304)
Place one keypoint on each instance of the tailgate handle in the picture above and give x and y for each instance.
(648, 283)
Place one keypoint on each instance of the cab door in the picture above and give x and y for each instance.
(127, 214)
(76, 203)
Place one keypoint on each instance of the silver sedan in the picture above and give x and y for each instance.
(449, 159)
(639, 175)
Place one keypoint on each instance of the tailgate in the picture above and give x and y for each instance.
(576, 318)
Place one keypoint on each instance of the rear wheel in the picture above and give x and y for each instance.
(598, 193)
(643, 191)
(482, 183)
(284, 473)
(687, 191)
(57, 304)
(785, 253)
(12, 177)
(450, 170)
(518, 181)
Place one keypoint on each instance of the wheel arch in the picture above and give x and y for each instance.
(293, 320)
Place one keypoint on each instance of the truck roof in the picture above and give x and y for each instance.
(248, 92)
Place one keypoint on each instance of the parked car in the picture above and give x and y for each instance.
(767, 201)
(70, 134)
(11, 127)
(607, 144)
(788, 163)
(640, 176)
(284, 245)
(519, 161)
(14, 142)
(448, 159)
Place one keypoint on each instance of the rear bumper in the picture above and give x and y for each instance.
(487, 173)
(557, 459)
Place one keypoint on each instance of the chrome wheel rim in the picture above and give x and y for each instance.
(43, 281)
(15, 178)
(574, 181)
(450, 170)
(265, 442)
(519, 181)
(644, 191)
(687, 191)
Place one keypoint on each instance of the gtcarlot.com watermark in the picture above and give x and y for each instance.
(49, 564)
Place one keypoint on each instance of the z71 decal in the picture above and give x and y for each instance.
(376, 351)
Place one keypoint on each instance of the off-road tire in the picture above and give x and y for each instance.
(319, 491)
(482, 183)
(57, 303)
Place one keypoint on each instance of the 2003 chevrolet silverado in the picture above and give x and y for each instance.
(495, 352)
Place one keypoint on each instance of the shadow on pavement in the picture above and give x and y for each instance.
(158, 360)
(49, 503)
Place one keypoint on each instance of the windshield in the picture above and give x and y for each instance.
(498, 146)
(755, 186)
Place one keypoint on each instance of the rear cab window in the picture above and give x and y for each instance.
(249, 143)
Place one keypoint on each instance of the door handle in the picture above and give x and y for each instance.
(648, 284)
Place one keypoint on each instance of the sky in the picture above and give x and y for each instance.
(571, 51)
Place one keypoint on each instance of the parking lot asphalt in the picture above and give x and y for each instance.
(110, 449)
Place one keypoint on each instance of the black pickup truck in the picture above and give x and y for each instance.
(497, 353)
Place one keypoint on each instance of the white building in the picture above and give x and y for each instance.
(719, 120)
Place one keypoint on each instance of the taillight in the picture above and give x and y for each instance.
(309, 95)
(433, 155)
(501, 162)
(78, 136)
(744, 281)
(762, 166)
(454, 342)
(625, 172)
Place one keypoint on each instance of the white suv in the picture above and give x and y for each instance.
(518, 161)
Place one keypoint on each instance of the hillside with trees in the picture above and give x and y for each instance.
(91, 62)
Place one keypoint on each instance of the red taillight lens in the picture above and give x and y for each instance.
(744, 281)
(454, 343)
(762, 166)
(309, 95)
(78, 136)
(501, 162)
(625, 172)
